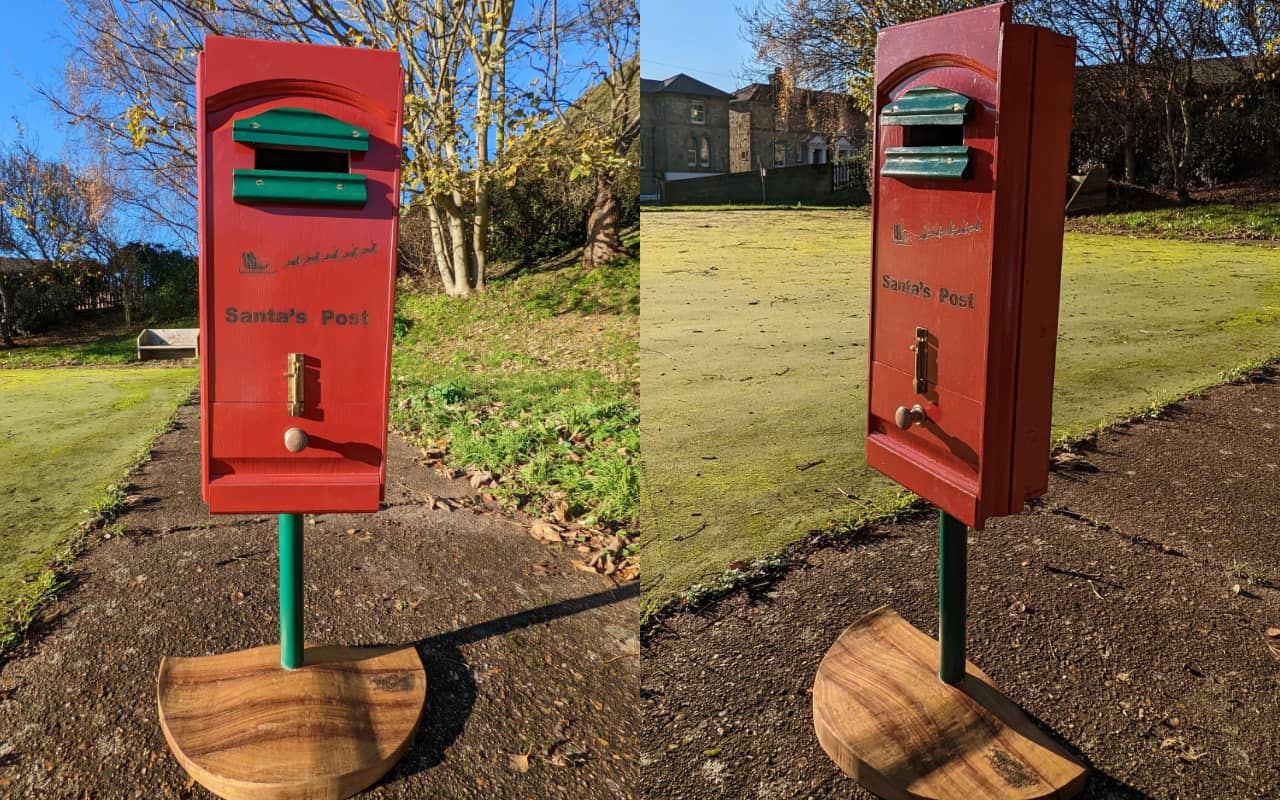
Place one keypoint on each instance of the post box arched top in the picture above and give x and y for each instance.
(299, 88)
(918, 65)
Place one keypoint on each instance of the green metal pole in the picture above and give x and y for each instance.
(291, 591)
(953, 545)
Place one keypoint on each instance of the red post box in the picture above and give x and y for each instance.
(973, 118)
(298, 156)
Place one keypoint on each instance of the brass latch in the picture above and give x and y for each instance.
(296, 373)
(921, 349)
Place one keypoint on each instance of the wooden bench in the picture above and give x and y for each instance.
(1087, 192)
(168, 343)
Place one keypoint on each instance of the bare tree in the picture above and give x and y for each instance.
(607, 120)
(829, 45)
(1113, 40)
(131, 74)
(47, 216)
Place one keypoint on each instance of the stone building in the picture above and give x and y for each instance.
(684, 132)
(817, 128)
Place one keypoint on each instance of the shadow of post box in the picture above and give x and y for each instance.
(299, 157)
(973, 115)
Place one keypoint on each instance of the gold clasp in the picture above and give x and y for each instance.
(296, 373)
(921, 349)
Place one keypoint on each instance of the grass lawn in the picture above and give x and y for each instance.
(535, 381)
(94, 339)
(753, 362)
(1210, 220)
(66, 436)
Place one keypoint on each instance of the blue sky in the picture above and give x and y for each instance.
(701, 39)
(30, 55)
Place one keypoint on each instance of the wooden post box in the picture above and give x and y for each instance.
(973, 116)
(299, 156)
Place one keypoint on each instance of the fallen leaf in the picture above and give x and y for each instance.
(479, 479)
(1122, 676)
(132, 500)
(1274, 633)
(236, 597)
(519, 762)
(1235, 588)
(350, 531)
(545, 532)
(561, 512)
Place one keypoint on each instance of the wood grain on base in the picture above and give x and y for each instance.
(245, 727)
(885, 718)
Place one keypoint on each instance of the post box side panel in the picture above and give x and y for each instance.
(202, 276)
(1050, 146)
(391, 286)
(1013, 87)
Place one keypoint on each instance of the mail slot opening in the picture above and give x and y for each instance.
(932, 135)
(300, 160)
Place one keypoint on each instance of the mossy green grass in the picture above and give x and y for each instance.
(753, 362)
(66, 437)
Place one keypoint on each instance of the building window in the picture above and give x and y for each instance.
(704, 155)
(642, 153)
(780, 154)
(698, 113)
(693, 152)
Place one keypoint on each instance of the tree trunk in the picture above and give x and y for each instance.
(126, 294)
(462, 277)
(6, 321)
(1184, 157)
(604, 229)
(1175, 162)
(439, 251)
(1130, 152)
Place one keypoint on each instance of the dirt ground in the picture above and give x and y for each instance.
(524, 654)
(1128, 614)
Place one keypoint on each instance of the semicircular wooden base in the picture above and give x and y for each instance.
(883, 715)
(247, 728)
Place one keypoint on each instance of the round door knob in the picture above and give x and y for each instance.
(295, 440)
(906, 417)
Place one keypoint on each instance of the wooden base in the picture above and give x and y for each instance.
(885, 718)
(245, 727)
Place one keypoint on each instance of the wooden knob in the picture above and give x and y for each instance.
(906, 417)
(295, 440)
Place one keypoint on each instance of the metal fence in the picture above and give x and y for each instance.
(841, 176)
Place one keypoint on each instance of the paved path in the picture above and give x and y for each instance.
(1111, 614)
(524, 654)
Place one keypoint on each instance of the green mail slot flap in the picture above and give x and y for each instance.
(298, 127)
(947, 162)
(304, 188)
(927, 105)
